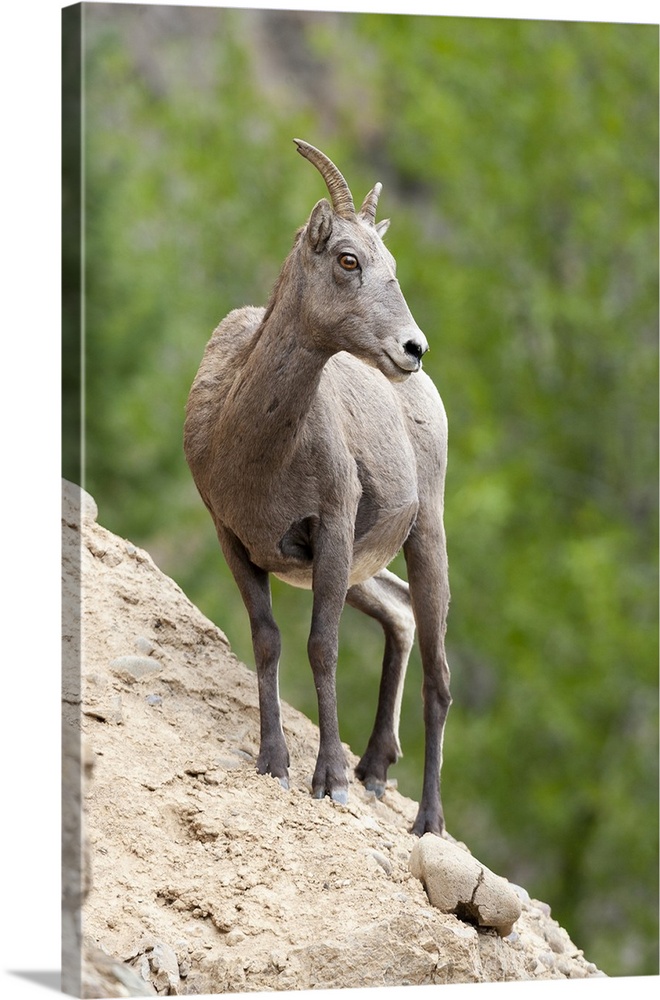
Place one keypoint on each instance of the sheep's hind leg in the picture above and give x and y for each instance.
(387, 599)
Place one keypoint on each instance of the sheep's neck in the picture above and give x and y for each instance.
(270, 398)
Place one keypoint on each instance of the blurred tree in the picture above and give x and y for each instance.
(71, 244)
(519, 162)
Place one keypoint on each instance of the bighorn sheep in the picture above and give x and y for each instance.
(319, 447)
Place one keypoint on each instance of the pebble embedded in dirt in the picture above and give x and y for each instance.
(132, 668)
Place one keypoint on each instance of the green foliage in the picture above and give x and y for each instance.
(519, 162)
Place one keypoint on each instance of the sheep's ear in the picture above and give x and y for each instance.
(382, 227)
(319, 226)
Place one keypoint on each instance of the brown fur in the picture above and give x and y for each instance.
(319, 448)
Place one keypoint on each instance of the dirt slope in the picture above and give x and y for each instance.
(208, 878)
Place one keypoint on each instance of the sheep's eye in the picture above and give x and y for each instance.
(349, 262)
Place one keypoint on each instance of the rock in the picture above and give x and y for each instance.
(86, 969)
(381, 859)
(165, 969)
(78, 506)
(458, 883)
(131, 668)
(254, 887)
(144, 646)
(100, 700)
(234, 937)
(520, 892)
(555, 939)
(104, 976)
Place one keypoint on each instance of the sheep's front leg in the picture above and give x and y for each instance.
(254, 586)
(426, 559)
(332, 551)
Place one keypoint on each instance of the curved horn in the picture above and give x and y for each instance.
(342, 201)
(368, 210)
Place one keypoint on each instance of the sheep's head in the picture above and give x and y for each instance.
(353, 301)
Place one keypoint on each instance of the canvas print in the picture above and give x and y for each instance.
(359, 500)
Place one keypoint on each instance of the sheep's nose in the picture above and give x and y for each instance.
(416, 347)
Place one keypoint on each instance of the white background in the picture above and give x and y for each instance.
(30, 485)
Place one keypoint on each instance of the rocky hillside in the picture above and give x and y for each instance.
(204, 877)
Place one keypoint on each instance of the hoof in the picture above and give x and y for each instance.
(329, 778)
(428, 821)
(339, 795)
(372, 769)
(275, 764)
(376, 786)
